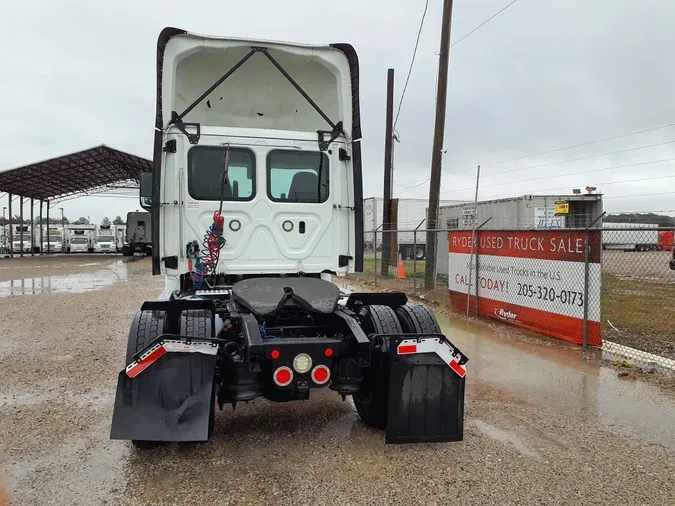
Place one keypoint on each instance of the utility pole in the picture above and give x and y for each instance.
(436, 155)
(388, 137)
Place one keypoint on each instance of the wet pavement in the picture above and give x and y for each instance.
(542, 425)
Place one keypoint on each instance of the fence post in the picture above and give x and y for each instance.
(414, 255)
(586, 285)
(587, 267)
(375, 247)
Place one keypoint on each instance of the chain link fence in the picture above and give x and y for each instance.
(606, 286)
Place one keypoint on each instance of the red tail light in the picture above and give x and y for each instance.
(283, 376)
(320, 374)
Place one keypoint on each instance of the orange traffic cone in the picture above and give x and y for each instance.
(400, 274)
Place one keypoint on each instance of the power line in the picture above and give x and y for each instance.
(415, 184)
(412, 62)
(570, 160)
(483, 23)
(572, 146)
(564, 175)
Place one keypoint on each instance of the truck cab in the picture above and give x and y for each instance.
(288, 199)
(81, 240)
(106, 240)
(54, 242)
(22, 240)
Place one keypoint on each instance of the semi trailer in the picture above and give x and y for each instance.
(256, 203)
(630, 236)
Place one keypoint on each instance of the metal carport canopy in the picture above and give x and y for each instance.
(82, 173)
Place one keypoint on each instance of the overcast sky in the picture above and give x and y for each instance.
(542, 75)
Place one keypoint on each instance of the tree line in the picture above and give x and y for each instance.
(661, 220)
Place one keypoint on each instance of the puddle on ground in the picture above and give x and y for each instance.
(71, 283)
(560, 378)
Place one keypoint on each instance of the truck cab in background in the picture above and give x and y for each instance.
(105, 240)
(22, 240)
(52, 242)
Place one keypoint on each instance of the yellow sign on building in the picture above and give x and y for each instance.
(562, 208)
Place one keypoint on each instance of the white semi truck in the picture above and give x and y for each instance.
(52, 242)
(22, 241)
(106, 242)
(80, 238)
(256, 201)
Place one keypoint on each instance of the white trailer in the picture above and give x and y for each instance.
(635, 237)
(412, 213)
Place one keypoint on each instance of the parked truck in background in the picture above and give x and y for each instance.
(138, 234)
(22, 240)
(54, 242)
(630, 236)
(411, 213)
(80, 238)
(105, 240)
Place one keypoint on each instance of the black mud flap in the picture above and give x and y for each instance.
(172, 400)
(426, 397)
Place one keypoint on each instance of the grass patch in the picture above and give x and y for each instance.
(634, 305)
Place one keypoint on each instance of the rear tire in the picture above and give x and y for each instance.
(199, 323)
(417, 320)
(145, 328)
(420, 253)
(372, 400)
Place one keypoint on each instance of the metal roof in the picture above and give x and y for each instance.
(85, 172)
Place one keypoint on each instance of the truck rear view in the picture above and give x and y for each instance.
(256, 203)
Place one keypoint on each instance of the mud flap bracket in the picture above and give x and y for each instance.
(426, 390)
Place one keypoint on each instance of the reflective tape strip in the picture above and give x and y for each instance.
(433, 345)
(160, 349)
(137, 367)
(459, 369)
(409, 346)
(203, 347)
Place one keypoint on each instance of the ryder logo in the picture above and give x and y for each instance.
(505, 315)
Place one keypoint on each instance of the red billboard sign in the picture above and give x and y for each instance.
(532, 279)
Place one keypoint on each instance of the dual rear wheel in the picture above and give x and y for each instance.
(372, 400)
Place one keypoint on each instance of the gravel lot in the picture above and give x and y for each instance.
(543, 426)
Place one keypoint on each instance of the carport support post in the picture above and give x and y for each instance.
(48, 228)
(32, 229)
(21, 220)
(11, 232)
(41, 249)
